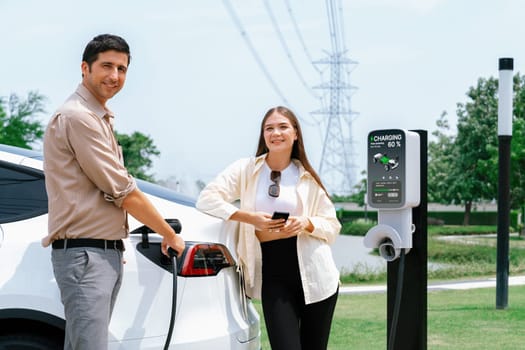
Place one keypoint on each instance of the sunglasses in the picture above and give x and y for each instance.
(274, 188)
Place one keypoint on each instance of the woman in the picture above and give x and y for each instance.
(287, 263)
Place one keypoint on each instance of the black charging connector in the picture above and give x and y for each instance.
(173, 256)
(397, 304)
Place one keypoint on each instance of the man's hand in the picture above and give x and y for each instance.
(139, 206)
(174, 242)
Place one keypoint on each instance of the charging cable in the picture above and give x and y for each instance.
(397, 303)
(173, 256)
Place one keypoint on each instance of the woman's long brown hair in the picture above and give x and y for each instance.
(298, 151)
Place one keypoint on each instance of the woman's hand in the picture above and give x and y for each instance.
(279, 229)
(267, 229)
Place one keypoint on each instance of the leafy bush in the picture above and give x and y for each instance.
(434, 217)
(363, 275)
(461, 230)
(357, 227)
(360, 227)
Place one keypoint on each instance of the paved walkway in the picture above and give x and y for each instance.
(459, 285)
(350, 255)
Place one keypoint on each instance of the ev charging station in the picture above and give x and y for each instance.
(393, 189)
(396, 187)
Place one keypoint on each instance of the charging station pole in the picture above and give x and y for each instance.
(506, 65)
(411, 330)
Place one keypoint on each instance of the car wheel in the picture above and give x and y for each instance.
(29, 341)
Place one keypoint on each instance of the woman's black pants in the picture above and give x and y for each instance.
(290, 324)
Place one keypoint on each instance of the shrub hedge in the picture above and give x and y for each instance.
(435, 217)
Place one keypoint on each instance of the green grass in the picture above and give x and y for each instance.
(472, 256)
(466, 319)
(456, 319)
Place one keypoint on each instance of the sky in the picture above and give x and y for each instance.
(199, 91)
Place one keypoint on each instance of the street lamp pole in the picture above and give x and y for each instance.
(506, 66)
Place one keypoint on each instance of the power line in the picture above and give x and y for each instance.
(343, 36)
(310, 59)
(298, 33)
(287, 50)
(248, 42)
(259, 61)
(336, 168)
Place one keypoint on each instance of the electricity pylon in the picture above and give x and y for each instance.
(337, 166)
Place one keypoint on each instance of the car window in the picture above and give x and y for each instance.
(22, 193)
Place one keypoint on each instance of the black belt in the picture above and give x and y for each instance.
(88, 242)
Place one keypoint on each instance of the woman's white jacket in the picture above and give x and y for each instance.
(238, 182)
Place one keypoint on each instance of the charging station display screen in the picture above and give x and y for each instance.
(386, 170)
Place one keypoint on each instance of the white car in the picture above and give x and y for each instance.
(212, 311)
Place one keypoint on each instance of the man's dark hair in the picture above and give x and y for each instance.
(103, 43)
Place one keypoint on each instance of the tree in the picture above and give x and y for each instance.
(360, 191)
(474, 171)
(18, 126)
(517, 192)
(464, 169)
(138, 150)
(440, 161)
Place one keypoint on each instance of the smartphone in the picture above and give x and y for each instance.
(280, 215)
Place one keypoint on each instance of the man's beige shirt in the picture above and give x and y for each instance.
(86, 180)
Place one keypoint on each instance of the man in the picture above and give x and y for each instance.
(90, 193)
